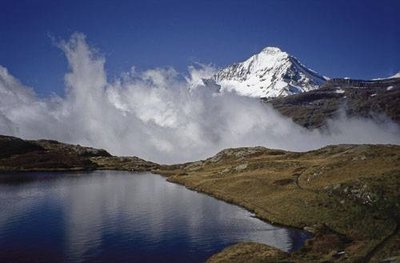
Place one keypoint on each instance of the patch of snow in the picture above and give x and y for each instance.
(397, 75)
(339, 90)
(373, 95)
(389, 88)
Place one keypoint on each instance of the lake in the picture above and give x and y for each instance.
(113, 216)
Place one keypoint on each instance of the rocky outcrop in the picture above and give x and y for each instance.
(353, 98)
(48, 155)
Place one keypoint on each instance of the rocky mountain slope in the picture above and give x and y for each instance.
(355, 98)
(47, 155)
(307, 97)
(271, 73)
(347, 195)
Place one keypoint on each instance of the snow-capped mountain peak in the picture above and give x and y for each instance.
(272, 50)
(270, 73)
(397, 75)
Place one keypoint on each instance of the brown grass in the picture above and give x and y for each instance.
(349, 190)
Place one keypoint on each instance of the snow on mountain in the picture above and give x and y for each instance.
(270, 73)
(397, 75)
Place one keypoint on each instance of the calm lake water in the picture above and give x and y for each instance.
(110, 216)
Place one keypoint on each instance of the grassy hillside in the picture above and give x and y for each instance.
(347, 195)
(47, 155)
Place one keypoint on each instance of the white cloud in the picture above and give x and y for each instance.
(161, 116)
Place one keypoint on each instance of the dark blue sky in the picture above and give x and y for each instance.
(338, 38)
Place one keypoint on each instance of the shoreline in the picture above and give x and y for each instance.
(345, 195)
(251, 178)
(232, 202)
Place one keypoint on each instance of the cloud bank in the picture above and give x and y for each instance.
(161, 116)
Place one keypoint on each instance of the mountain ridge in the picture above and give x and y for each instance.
(18, 155)
(273, 73)
(355, 98)
(270, 73)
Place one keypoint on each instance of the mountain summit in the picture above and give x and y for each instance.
(270, 73)
(397, 75)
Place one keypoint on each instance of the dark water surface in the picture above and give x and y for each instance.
(110, 216)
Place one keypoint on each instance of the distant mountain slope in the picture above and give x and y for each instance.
(271, 73)
(357, 98)
(48, 155)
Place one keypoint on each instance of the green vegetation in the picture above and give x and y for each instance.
(47, 155)
(347, 195)
(249, 252)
